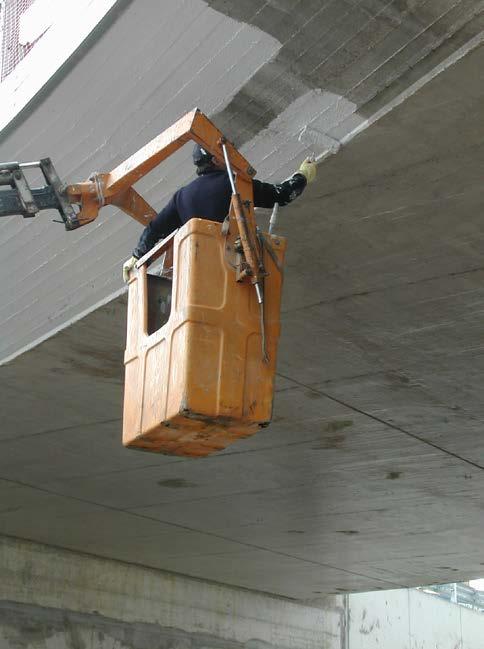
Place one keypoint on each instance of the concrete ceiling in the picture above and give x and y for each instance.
(371, 475)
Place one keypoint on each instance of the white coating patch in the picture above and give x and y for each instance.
(302, 129)
(235, 60)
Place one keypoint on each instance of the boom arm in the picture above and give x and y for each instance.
(116, 187)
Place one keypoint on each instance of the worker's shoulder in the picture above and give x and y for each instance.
(219, 176)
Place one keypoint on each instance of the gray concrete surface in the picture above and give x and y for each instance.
(56, 599)
(371, 475)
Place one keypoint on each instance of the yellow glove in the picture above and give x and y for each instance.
(128, 267)
(308, 170)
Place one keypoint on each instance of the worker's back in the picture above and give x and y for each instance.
(208, 196)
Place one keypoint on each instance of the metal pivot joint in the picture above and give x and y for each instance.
(22, 199)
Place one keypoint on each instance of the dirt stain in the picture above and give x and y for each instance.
(331, 442)
(96, 363)
(335, 439)
(347, 532)
(176, 483)
(338, 424)
(311, 394)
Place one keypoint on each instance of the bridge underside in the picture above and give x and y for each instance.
(372, 473)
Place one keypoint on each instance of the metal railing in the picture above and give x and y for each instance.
(458, 593)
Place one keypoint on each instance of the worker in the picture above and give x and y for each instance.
(208, 197)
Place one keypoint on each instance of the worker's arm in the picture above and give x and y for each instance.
(164, 223)
(266, 194)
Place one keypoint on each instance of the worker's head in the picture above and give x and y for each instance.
(204, 160)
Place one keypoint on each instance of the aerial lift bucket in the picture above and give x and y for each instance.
(196, 375)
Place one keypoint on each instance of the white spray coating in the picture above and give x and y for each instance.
(254, 48)
(301, 130)
(314, 138)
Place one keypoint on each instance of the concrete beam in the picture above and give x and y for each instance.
(48, 595)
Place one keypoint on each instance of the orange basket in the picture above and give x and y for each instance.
(196, 379)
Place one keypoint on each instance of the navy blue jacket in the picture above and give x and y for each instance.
(208, 197)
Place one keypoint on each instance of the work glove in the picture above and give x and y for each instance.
(128, 267)
(308, 170)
